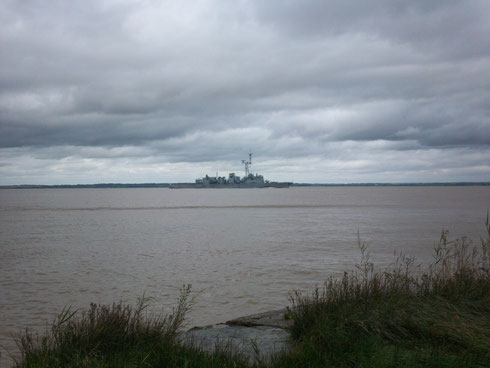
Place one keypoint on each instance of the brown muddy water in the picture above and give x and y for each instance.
(242, 250)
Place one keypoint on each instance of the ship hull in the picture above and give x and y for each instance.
(229, 186)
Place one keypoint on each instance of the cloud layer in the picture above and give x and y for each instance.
(161, 91)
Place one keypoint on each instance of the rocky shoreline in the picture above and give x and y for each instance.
(257, 336)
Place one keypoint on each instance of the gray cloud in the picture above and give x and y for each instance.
(137, 83)
(443, 27)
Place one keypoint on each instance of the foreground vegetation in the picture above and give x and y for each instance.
(402, 316)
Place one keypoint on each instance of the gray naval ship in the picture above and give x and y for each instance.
(233, 181)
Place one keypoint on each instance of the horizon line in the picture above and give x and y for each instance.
(302, 184)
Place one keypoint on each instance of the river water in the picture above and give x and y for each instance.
(243, 250)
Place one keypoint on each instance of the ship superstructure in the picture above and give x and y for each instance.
(233, 181)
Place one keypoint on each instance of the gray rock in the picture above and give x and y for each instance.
(276, 318)
(258, 336)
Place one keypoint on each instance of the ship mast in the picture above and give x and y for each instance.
(247, 164)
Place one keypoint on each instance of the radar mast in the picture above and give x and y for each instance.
(247, 164)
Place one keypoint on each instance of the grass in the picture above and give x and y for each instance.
(118, 335)
(401, 316)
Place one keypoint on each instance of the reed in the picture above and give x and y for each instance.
(403, 315)
(119, 335)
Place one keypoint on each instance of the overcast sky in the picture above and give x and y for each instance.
(331, 91)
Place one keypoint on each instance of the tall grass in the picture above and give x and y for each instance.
(400, 315)
(119, 335)
(101, 330)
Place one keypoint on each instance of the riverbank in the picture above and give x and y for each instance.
(401, 316)
(258, 337)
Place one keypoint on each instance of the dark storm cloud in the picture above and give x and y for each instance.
(451, 27)
(180, 82)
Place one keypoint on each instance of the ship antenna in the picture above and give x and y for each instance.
(247, 164)
(249, 159)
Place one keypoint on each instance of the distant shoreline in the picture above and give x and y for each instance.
(166, 185)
